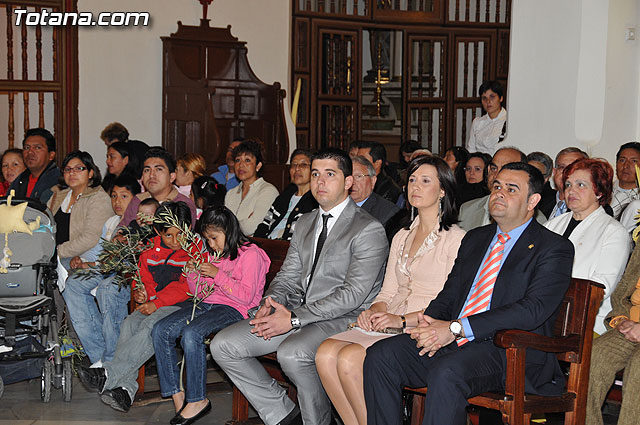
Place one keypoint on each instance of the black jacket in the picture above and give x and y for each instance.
(42, 190)
(279, 208)
(548, 200)
(381, 209)
(387, 188)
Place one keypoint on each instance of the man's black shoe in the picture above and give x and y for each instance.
(92, 379)
(117, 398)
(293, 418)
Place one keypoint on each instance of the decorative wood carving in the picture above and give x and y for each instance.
(211, 96)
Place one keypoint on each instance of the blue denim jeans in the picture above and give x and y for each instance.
(98, 330)
(208, 318)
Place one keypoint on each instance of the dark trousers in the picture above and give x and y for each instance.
(452, 375)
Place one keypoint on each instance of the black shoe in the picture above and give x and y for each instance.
(174, 420)
(92, 379)
(117, 398)
(180, 420)
(293, 418)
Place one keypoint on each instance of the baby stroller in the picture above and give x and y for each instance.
(28, 326)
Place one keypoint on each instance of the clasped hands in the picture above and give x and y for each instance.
(145, 307)
(268, 324)
(430, 334)
(630, 330)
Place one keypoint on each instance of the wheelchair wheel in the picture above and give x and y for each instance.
(1, 386)
(67, 379)
(45, 381)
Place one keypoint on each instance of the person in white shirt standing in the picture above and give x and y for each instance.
(625, 189)
(489, 129)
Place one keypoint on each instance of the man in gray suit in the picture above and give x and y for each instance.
(475, 213)
(364, 179)
(333, 270)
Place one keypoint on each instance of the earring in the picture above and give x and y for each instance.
(440, 209)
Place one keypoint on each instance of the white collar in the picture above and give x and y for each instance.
(337, 210)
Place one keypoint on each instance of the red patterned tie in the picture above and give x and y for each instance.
(479, 300)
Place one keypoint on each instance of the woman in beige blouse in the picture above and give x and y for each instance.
(421, 257)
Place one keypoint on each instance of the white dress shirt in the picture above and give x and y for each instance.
(485, 133)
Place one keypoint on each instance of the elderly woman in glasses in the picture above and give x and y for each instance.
(295, 200)
(80, 207)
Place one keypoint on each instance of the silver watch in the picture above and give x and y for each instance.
(295, 322)
(455, 327)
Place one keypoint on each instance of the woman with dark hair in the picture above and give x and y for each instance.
(227, 287)
(602, 245)
(455, 157)
(12, 166)
(206, 192)
(120, 161)
(79, 205)
(475, 178)
(251, 199)
(295, 200)
(421, 256)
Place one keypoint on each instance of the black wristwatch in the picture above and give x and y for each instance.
(295, 322)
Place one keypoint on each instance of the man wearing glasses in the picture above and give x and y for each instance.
(364, 179)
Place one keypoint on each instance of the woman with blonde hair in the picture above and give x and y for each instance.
(190, 166)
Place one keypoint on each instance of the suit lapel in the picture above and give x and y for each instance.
(340, 227)
(307, 248)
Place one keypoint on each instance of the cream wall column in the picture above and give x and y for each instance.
(121, 68)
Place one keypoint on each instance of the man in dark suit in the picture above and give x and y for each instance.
(384, 186)
(333, 271)
(364, 179)
(508, 275)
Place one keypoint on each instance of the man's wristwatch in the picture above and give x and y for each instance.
(455, 327)
(295, 322)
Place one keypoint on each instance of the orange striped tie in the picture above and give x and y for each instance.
(481, 296)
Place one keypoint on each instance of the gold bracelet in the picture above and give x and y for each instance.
(404, 322)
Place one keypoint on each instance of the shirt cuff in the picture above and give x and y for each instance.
(468, 332)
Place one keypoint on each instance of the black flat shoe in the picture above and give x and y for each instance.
(188, 421)
(174, 420)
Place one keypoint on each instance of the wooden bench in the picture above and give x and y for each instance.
(571, 343)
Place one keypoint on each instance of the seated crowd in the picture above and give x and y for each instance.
(444, 252)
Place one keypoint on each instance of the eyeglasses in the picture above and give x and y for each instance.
(69, 170)
(295, 165)
(359, 177)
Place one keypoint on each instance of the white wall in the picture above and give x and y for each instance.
(121, 68)
(573, 80)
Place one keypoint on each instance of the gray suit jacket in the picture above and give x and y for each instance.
(380, 208)
(475, 213)
(349, 272)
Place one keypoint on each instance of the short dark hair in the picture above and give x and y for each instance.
(301, 151)
(357, 144)
(409, 146)
(447, 183)
(163, 154)
(629, 145)
(115, 131)
(377, 151)
(149, 201)
(209, 190)
(126, 181)
(544, 159)
(48, 137)
(249, 146)
(221, 218)
(601, 176)
(492, 85)
(87, 161)
(124, 150)
(338, 155)
(536, 180)
(180, 211)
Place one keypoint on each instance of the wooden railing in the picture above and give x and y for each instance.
(39, 88)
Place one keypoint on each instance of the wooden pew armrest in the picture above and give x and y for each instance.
(522, 339)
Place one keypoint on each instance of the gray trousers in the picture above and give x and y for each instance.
(235, 350)
(134, 348)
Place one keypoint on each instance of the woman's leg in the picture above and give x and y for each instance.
(630, 409)
(327, 365)
(350, 363)
(209, 318)
(164, 335)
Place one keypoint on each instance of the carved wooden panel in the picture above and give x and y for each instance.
(491, 12)
(427, 126)
(338, 52)
(337, 125)
(211, 96)
(427, 63)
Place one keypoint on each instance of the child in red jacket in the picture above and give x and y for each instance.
(160, 270)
